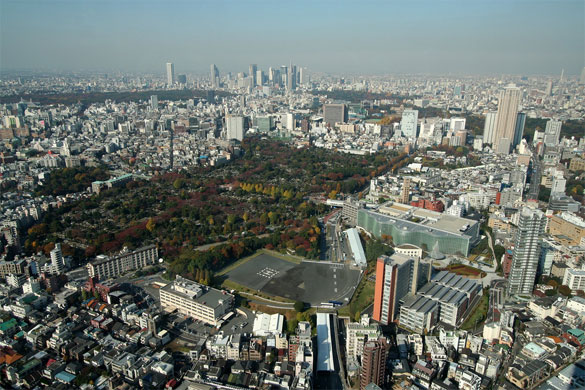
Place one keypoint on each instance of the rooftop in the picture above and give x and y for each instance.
(104, 259)
(356, 247)
(446, 225)
(204, 295)
(572, 218)
(324, 349)
(535, 349)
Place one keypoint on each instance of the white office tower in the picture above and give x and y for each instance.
(427, 129)
(525, 259)
(288, 121)
(477, 143)
(304, 76)
(259, 78)
(489, 128)
(66, 148)
(214, 76)
(57, 262)
(170, 73)
(154, 102)
(582, 78)
(508, 106)
(408, 123)
(235, 127)
(559, 184)
(31, 286)
(457, 124)
(552, 133)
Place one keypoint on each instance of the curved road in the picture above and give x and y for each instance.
(490, 243)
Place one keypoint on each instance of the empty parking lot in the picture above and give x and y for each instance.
(312, 282)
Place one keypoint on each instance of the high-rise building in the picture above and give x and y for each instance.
(182, 79)
(549, 86)
(519, 129)
(283, 81)
(291, 78)
(259, 78)
(154, 102)
(270, 75)
(397, 276)
(409, 123)
(170, 73)
(235, 127)
(303, 76)
(373, 368)
(57, 262)
(334, 113)
(489, 128)
(552, 133)
(252, 73)
(526, 252)
(214, 76)
(508, 106)
(405, 194)
(582, 78)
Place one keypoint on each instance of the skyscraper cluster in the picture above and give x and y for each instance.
(287, 77)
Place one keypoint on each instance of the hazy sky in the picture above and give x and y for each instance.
(369, 37)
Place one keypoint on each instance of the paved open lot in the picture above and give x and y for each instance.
(258, 271)
(315, 283)
(312, 282)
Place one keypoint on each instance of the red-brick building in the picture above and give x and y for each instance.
(433, 205)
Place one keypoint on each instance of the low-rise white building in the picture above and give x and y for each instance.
(575, 279)
(196, 300)
(268, 324)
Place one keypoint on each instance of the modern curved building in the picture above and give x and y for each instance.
(423, 228)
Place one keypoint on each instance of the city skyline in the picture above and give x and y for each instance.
(451, 37)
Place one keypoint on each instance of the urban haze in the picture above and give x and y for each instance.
(226, 195)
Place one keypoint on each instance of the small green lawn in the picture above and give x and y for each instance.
(465, 270)
(479, 313)
(363, 297)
